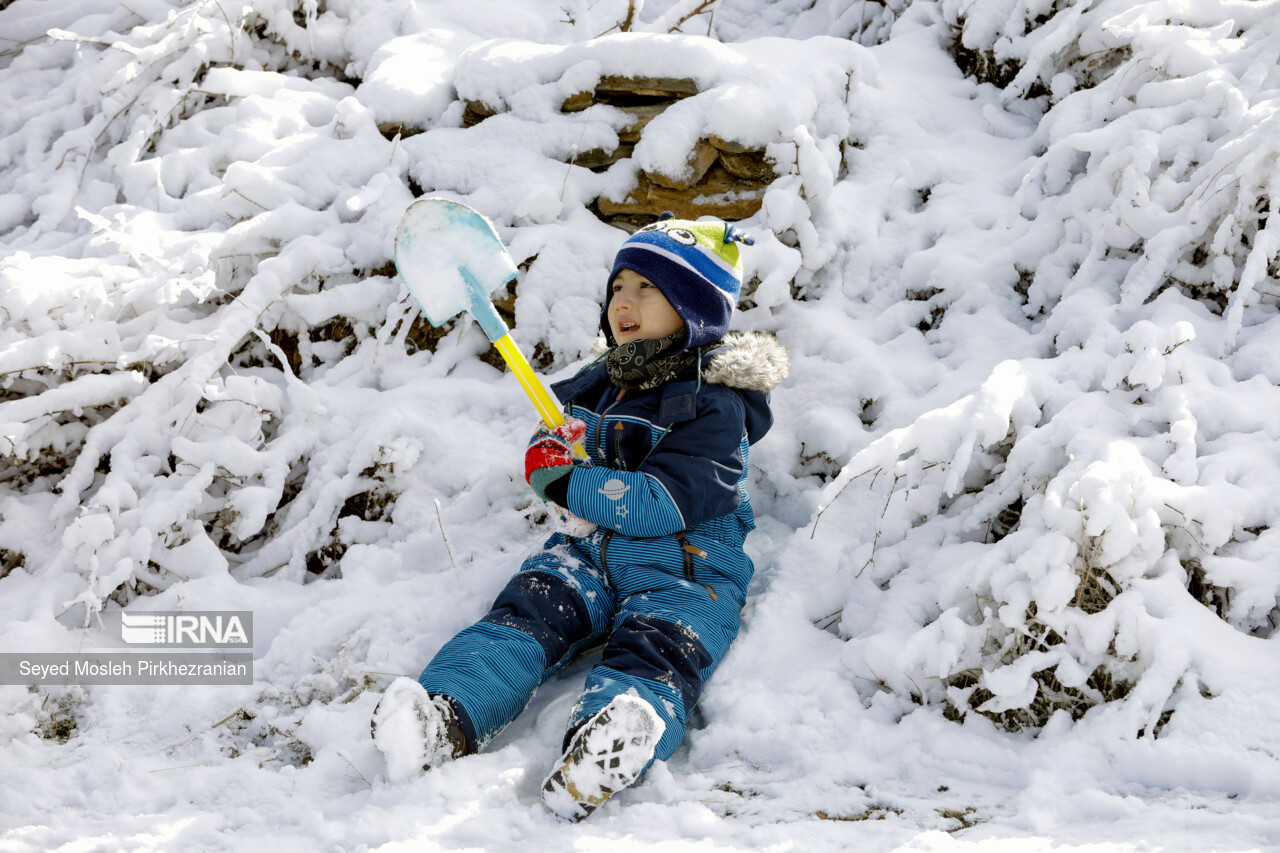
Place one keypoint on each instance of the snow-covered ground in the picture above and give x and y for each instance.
(1017, 583)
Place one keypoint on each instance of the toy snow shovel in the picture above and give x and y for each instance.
(451, 258)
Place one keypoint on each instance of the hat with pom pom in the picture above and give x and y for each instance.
(695, 265)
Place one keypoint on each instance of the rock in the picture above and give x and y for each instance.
(719, 194)
(598, 158)
(392, 129)
(643, 114)
(613, 89)
(476, 112)
(750, 165)
(632, 92)
(696, 166)
(578, 102)
(728, 145)
(721, 177)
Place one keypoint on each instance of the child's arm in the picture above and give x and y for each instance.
(691, 477)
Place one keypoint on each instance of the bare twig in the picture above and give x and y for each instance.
(871, 559)
(175, 574)
(876, 541)
(357, 769)
(827, 622)
(70, 364)
(841, 492)
(444, 535)
(896, 478)
(238, 712)
(231, 31)
(698, 10)
(392, 674)
(251, 201)
(577, 149)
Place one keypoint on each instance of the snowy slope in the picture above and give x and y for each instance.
(1016, 568)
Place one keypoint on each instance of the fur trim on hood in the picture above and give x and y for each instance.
(752, 361)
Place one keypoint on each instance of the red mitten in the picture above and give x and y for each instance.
(548, 459)
(550, 453)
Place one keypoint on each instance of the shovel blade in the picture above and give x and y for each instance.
(450, 258)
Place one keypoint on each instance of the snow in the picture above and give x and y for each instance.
(1034, 329)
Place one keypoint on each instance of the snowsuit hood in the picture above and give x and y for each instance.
(750, 362)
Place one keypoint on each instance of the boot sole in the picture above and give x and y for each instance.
(607, 754)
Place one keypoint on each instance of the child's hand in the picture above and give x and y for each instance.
(570, 525)
(550, 457)
(550, 454)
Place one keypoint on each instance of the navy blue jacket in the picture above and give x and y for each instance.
(668, 466)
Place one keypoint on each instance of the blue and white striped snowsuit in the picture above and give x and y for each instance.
(662, 580)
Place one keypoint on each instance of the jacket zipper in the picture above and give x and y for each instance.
(602, 443)
(604, 556)
(617, 446)
(687, 553)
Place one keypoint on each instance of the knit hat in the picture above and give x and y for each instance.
(694, 264)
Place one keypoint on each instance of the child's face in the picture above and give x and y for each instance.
(638, 311)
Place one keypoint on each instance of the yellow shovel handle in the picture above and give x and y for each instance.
(546, 405)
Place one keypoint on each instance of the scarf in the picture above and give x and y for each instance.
(640, 365)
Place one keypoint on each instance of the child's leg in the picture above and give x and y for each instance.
(666, 643)
(554, 606)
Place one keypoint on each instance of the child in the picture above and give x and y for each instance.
(666, 417)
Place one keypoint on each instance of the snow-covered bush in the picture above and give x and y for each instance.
(1032, 48)
(1076, 529)
(206, 242)
(1183, 139)
(867, 22)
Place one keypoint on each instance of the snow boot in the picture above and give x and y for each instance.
(415, 731)
(607, 754)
